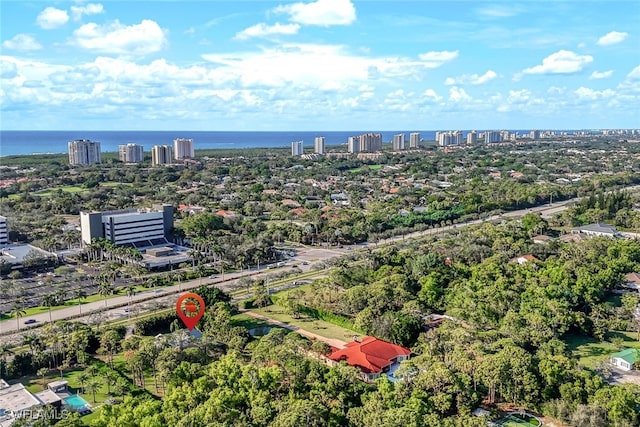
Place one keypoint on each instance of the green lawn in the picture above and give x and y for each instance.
(589, 351)
(248, 322)
(310, 324)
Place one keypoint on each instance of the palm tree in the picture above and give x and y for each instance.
(79, 294)
(5, 351)
(18, 311)
(83, 378)
(105, 289)
(109, 379)
(93, 387)
(48, 300)
(129, 291)
(42, 372)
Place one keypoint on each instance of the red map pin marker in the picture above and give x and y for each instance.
(190, 308)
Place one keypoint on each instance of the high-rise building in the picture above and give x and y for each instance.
(140, 227)
(183, 149)
(456, 138)
(297, 148)
(161, 155)
(472, 138)
(398, 142)
(534, 134)
(131, 153)
(4, 231)
(370, 142)
(318, 145)
(353, 144)
(414, 140)
(492, 136)
(84, 152)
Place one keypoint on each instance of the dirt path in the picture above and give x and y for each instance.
(331, 341)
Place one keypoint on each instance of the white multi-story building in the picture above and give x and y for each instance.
(84, 152)
(446, 139)
(472, 138)
(414, 140)
(140, 227)
(353, 144)
(318, 145)
(131, 153)
(370, 142)
(161, 155)
(398, 142)
(4, 231)
(534, 134)
(183, 148)
(297, 148)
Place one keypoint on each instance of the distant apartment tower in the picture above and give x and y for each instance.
(135, 227)
(446, 139)
(398, 142)
(414, 140)
(492, 136)
(353, 144)
(183, 149)
(161, 155)
(318, 145)
(534, 134)
(472, 138)
(131, 153)
(297, 148)
(84, 152)
(370, 142)
(4, 231)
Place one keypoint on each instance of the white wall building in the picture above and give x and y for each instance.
(131, 153)
(318, 145)
(183, 148)
(297, 148)
(130, 226)
(84, 152)
(472, 138)
(414, 140)
(492, 136)
(353, 144)
(161, 155)
(398, 142)
(4, 231)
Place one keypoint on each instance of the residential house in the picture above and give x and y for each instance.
(372, 356)
(597, 230)
(525, 259)
(625, 359)
(541, 239)
(632, 281)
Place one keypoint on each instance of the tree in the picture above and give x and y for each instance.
(105, 289)
(83, 377)
(42, 372)
(93, 386)
(18, 311)
(49, 300)
(5, 351)
(79, 294)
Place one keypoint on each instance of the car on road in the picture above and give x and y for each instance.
(30, 321)
(305, 263)
(213, 276)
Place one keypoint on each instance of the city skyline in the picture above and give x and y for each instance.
(331, 64)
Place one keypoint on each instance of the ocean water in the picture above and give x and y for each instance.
(38, 142)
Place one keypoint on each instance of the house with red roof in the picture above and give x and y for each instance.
(372, 356)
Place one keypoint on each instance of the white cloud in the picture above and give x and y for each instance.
(614, 37)
(498, 11)
(51, 18)
(474, 79)
(116, 38)
(457, 94)
(560, 62)
(321, 12)
(88, 9)
(600, 75)
(634, 74)
(21, 42)
(435, 59)
(588, 93)
(313, 66)
(431, 95)
(262, 30)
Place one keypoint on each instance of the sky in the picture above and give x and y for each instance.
(319, 65)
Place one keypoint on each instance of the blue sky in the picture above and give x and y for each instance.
(319, 65)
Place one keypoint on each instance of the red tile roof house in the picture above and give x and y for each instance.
(372, 356)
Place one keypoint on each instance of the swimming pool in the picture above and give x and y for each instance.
(77, 403)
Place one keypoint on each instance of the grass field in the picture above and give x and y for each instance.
(516, 420)
(589, 351)
(366, 167)
(310, 324)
